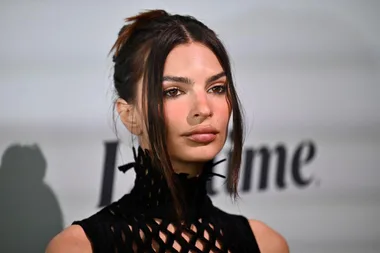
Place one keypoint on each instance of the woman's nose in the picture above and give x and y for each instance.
(201, 108)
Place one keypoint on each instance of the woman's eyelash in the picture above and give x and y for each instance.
(172, 92)
(219, 89)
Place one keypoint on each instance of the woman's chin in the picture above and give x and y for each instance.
(201, 153)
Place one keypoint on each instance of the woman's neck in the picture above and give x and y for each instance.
(193, 169)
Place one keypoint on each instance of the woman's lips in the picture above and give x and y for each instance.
(202, 134)
(202, 138)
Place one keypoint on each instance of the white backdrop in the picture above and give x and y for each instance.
(306, 71)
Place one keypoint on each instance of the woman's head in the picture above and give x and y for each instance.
(173, 78)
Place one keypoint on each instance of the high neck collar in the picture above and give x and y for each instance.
(151, 191)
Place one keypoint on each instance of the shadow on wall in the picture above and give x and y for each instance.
(30, 214)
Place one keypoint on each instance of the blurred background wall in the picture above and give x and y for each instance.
(308, 74)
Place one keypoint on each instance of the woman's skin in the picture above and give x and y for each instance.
(194, 100)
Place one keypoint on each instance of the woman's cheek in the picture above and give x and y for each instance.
(174, 111)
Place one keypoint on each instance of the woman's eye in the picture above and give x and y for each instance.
(173, 92)
(219, 89)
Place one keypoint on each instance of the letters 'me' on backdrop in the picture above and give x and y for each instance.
(308, 77)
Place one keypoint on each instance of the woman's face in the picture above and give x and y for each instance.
(195, 104)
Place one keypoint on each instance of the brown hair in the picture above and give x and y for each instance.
(140, 51)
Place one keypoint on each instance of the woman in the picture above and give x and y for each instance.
(173, 79)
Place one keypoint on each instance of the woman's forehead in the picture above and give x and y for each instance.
(191, 58)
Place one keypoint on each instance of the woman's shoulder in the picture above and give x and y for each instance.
(72, 239)
(267, 238)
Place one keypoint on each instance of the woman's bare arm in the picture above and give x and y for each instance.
(72, 239)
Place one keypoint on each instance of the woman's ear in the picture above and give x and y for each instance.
(130, 116)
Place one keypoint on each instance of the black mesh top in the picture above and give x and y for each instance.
(145, 219)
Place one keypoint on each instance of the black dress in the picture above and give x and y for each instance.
(145, 220)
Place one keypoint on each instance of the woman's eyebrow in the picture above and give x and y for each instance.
(186, 80)
(178, 79)
(215, 77)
